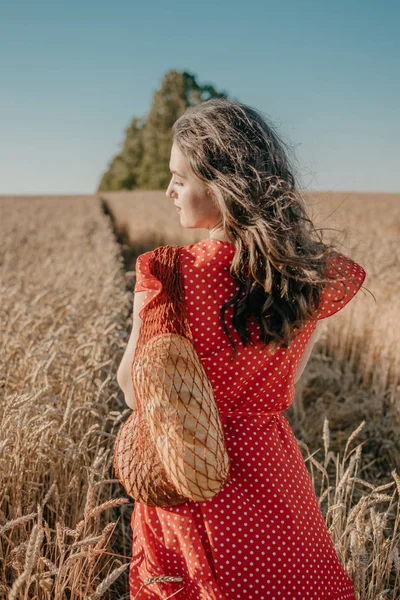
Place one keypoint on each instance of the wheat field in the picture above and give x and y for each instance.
(67, 275)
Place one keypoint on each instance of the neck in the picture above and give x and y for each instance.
(218, 233)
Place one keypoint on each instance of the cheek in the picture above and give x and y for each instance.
(185, 197)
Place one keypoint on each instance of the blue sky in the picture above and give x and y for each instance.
(73, 74)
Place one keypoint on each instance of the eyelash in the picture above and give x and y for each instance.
(178, 183)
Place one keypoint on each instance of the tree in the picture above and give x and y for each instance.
(144, 157)
(122, 172)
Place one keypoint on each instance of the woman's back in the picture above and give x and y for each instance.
(263, 535)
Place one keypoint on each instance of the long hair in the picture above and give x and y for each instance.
(280, 258)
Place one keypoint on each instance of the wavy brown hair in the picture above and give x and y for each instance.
(280, 258)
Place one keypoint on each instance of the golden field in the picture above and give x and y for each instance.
(67, 275)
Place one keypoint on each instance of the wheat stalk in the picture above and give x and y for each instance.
(109, 580)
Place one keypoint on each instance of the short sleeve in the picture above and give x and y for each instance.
(336, 294)
(145, 280)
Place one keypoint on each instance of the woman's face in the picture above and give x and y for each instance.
(197, 209)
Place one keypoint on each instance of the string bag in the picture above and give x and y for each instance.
(172, 447)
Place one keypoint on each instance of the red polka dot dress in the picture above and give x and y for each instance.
(263, 536)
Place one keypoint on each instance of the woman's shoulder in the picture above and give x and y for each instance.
(210, 245)
(209, 250)
(197, 254)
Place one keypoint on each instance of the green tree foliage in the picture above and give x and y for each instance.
(143, 160)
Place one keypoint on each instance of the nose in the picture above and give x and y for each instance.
(167, 193)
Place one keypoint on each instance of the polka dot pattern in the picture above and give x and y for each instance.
(263, 536)
(337, 293)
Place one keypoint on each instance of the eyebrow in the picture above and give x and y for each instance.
(176, 173)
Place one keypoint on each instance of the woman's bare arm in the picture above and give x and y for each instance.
(307, 352)
(124, 376)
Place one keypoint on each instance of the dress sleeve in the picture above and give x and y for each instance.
(145, 280)
(336, 294)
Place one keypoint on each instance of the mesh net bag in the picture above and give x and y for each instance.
(172, 447)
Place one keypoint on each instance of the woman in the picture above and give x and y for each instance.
(256, 290)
